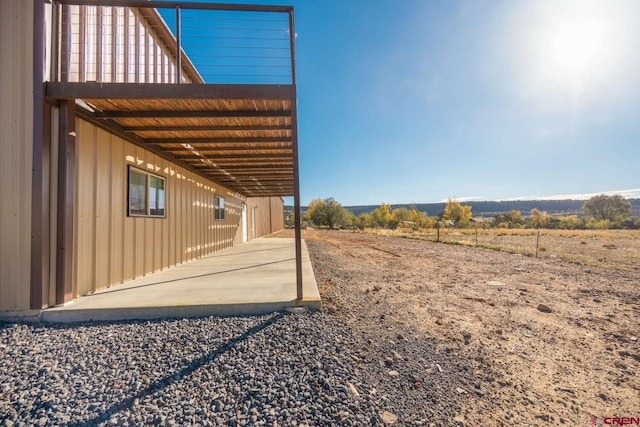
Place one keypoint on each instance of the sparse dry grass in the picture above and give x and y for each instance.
(618, 249)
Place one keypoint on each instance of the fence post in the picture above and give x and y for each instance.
(537, 242)
(476, 234)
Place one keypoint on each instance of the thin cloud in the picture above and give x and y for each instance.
(628, 194)
(463, 199)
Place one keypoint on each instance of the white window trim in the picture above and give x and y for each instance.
(217, 209)
(148, 193)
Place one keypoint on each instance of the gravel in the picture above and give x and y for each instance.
(349, 365)
(273, 370)
(278, 369)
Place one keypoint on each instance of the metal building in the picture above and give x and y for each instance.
(123, 154)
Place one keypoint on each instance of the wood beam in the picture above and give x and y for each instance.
(264, 184)
(249, 170)
(262, 187)
(206, 128)
(243, 164)
(237, 168)
(200, 141)
(228, 157)
(96, 90)
(182, 114)
(247, 176)
(267, 189)
(280, 171)
(206, 150)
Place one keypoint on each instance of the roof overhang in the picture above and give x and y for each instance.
(240, 136)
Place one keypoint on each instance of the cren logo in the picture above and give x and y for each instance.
(615, 421)
(622, 421)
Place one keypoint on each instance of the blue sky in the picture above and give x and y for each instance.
(420, 101)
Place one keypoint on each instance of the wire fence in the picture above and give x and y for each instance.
(617, 249)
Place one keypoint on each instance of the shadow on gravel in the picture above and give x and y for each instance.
(190, 368)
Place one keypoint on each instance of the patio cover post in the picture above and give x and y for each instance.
(40, 233)
(296, 171)
(296, 206)
(66, 196)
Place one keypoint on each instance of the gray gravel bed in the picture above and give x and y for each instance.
(272, 370)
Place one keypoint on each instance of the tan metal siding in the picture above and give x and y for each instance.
(16, 142)
(117, 188)
(277, 214)
(112, 247)
(269, 215)
(85, 205)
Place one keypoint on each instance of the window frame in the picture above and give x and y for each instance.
(147, 195)
(218, 208)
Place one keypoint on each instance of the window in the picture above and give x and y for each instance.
(218, 207)
(146, 194)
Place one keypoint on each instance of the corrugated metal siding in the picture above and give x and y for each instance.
(268, 213)
(277, 214)
(16, 142)
(112, 247)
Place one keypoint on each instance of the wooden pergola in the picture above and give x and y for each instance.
(242, 136)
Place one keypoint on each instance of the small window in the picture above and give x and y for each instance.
(146, 194)
(218, 207)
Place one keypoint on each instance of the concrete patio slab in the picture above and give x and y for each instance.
(254, 278)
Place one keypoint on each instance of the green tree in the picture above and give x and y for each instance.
(422, 220)
(511, 219)
(381, 217)
(605, 207)
(363, 221)
(289, 218)
(315, 210)
(328, 212)
(400, 216)
(570, 222)
(539, 219)
(457, 212)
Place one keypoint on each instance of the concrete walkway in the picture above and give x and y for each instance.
(253, 278)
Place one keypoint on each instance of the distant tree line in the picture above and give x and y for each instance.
(600, 212)
(491, 208)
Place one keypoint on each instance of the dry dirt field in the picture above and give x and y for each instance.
(541, 341)
(617, 249)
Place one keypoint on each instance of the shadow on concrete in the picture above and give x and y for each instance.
(244, 253)
(188, 278)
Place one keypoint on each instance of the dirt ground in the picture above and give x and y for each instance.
(551, 341)
(618, 249)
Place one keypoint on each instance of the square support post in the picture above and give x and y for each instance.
(296, 168)
(40, 232)
(66, 201)
(296, 205)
